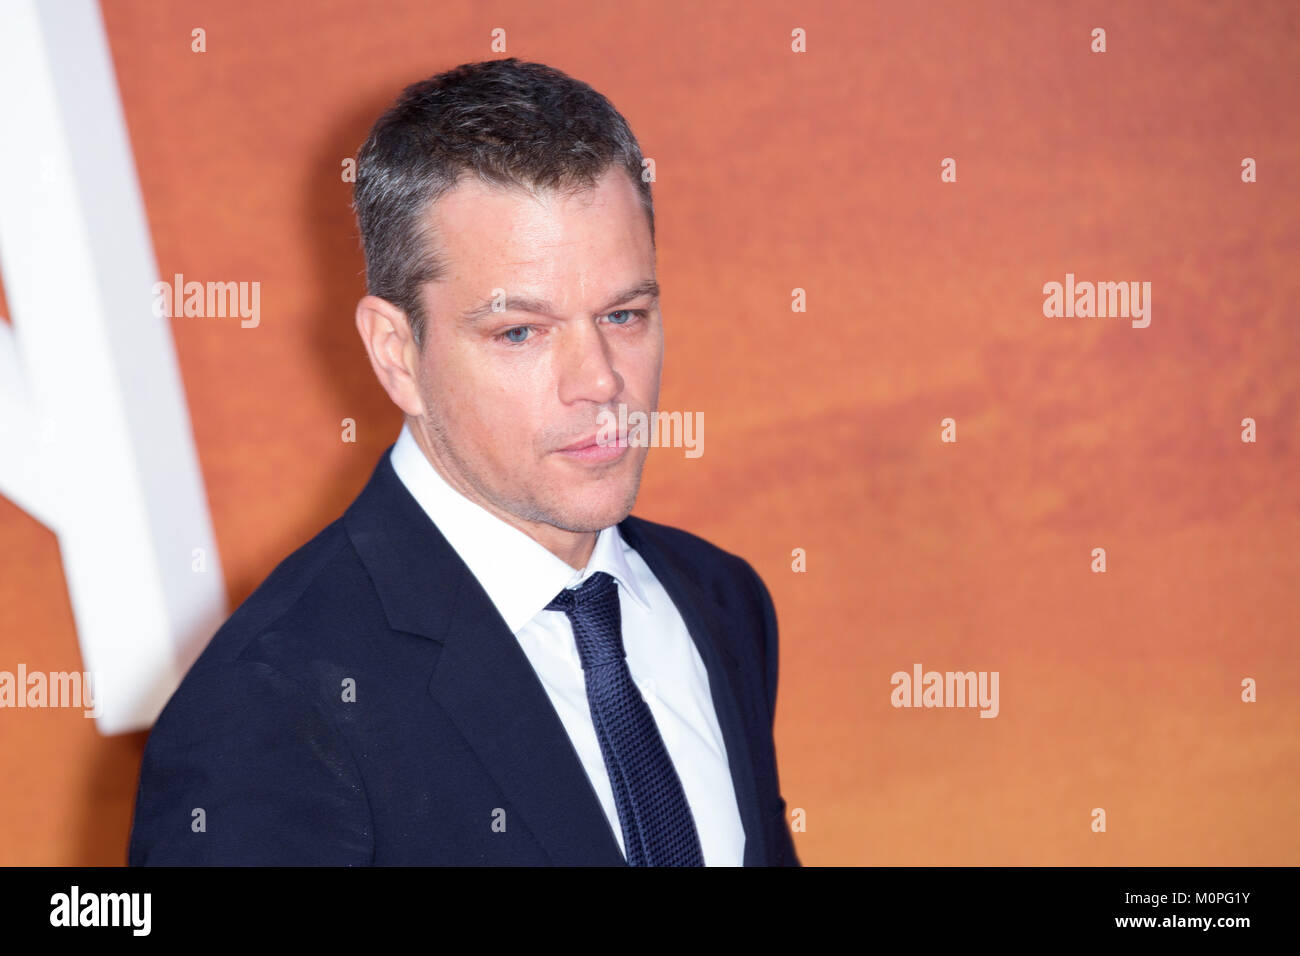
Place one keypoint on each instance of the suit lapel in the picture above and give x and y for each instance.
(489, 689)
(714, 636)
(483, 680)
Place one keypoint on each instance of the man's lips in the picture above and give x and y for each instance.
(591, 441)
(589, 451)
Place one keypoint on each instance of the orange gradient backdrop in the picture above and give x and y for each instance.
(820, 171)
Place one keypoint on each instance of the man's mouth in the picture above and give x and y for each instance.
(595, 448)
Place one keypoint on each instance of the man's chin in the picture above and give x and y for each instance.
(583, 520)
(580, 515)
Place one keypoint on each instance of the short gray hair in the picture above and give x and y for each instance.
(510, 123)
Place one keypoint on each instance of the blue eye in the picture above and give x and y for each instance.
(519, 335)
(509, 338)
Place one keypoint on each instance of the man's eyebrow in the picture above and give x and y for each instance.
(523, 303)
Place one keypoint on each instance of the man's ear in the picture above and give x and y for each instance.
(386, 334)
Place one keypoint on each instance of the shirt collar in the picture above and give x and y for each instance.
(519, 575)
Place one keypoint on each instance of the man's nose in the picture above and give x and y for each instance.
(586, 365)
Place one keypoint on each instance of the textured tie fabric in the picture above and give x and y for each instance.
(658, 829)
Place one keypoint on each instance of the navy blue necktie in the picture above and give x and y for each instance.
(658, 829)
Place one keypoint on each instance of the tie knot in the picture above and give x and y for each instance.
(590, 590)
(593, 611)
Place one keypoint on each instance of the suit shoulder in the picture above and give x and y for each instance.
(302, 599)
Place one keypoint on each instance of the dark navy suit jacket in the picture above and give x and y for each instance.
(450, 752)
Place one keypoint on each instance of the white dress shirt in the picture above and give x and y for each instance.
(521, 577)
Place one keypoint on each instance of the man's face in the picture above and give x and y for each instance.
(580, 333)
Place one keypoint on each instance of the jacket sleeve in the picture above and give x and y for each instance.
(244, 769)
(771, 658)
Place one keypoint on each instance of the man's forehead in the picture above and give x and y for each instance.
(504, 249)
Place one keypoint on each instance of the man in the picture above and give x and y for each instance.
(486, 659)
